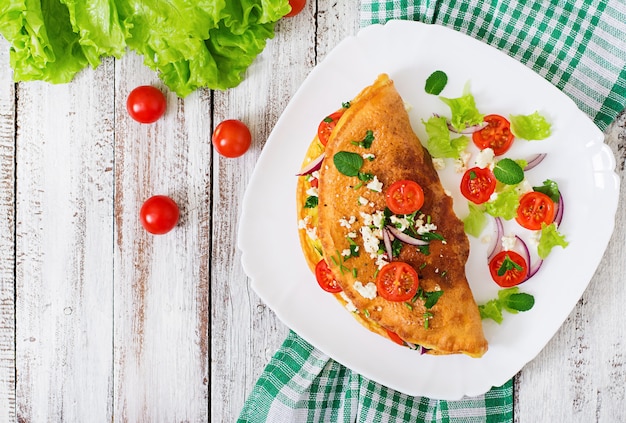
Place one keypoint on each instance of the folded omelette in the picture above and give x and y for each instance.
(402, 275)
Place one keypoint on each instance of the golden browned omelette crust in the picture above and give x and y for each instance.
(347, 205)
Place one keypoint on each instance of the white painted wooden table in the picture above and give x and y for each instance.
(100, 321)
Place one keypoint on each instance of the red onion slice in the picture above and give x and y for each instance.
(523, 248)
(559, 211)
(535, 160)
(315, 164)
(532, 270)
(468, 130)
(404, 237)
(497, 243)
(387, 239)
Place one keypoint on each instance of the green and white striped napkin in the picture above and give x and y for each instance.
(301, 384)
(578, 46)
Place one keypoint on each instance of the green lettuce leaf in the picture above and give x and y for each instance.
(439, 143)
(464, 111)
(505, 204)
(550, 238)
(475, 221)
(530, 127)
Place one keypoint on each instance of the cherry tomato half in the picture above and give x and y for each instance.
(397, 281)
(325, 278)
(231, 138)
(477, 184)
(327, 125)
(508, 269)
(159, 214)
(534, 209)
(496, 135)
(296, 7)
(404, 197)
(146, 104)
(394, 337)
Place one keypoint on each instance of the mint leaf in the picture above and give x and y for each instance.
(367, 141)
(519, 302)
(508, 172)
(508, 264)
(432, 298)
(311, 202)
(549, 188)
(436, 82)
(348, 163)
(509, 299)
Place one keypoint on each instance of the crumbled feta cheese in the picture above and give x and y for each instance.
(439, 163)
(533, 240)
(349, 305)
(485, 158)
(370, 240)
(362, 201)
(375, 185)
(508, 242)
(460, 164)
(347, 223)
(427, 227)
(346, 252)
(493, 196)
(368, 156)
(312, 233)
(367, 218)
(486, 239)
(352, 234)
(524, 187)
(407, 106)
(368, 291)
(303, 223)
(315, 174)
(312, 192)
(381, 261)
(378, 218)
(400, 223)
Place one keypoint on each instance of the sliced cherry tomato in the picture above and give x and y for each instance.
(404, 197)
(394, 337)
(397, 281)
(231, 138)
(296, 7)
(146, 104)
(508, 268)
(159, 214)
(496, 135)
(534, 209)
(478, 184)
(327, 125)
(325, 278)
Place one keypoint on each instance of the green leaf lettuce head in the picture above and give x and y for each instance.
(190, 44)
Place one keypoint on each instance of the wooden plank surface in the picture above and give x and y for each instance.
(102, 322)
(7, 239)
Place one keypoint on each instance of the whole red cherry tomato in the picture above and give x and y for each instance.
(146, 104)
(159, 214)
(296, 7)
(231, 138)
